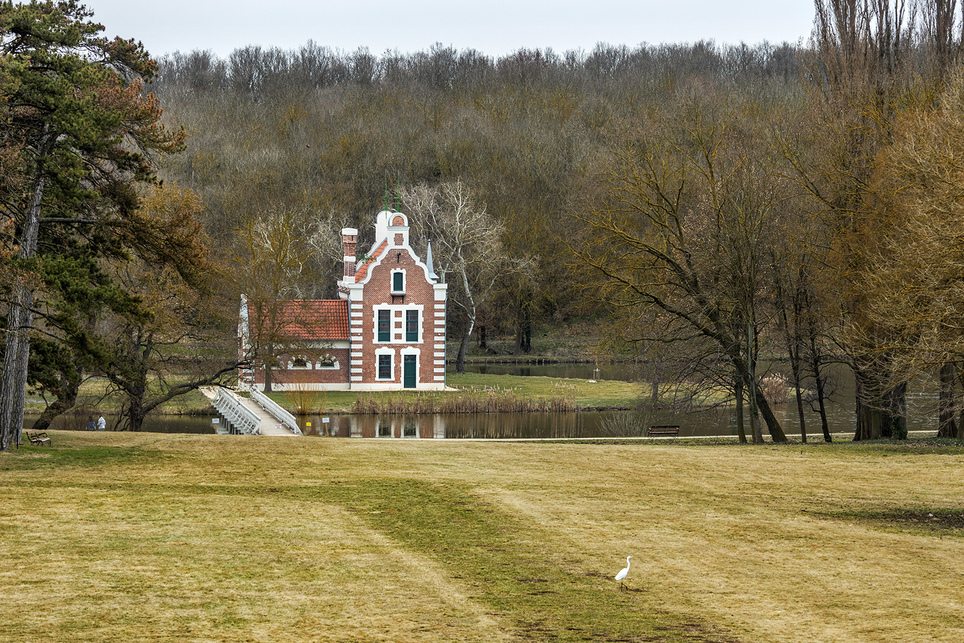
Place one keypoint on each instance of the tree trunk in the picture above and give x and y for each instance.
(773, 424)
(794, 352)
(947, 404)
(133, 413)
(897, 411)
(880, 413)
(526, 329)
(464, 347)
(13, 379)
(740, 421)
(868, 418)
(61, 405)
(816, 366)
(800, 413)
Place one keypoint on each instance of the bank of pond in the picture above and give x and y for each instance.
(699, 422)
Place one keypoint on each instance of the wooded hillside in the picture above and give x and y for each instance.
(730, 216)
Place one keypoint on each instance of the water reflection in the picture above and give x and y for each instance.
(584, 424)
(922, 416)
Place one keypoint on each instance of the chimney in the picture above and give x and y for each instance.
(349, 236)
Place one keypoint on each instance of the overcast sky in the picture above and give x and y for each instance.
(493, 27)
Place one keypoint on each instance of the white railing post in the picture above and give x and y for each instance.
(236, 414)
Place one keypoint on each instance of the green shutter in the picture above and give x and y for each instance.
(411, 325)
(384, 326)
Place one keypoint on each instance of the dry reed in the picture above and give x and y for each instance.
(489, 401)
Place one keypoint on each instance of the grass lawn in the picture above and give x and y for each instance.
(154, 537)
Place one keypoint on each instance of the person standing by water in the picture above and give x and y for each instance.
(101, 424)
(91, 425)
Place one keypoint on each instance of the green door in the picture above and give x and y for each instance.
(410, 378)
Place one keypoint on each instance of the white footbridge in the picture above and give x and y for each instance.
(254, 415)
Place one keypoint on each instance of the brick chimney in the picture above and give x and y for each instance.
(349, 236)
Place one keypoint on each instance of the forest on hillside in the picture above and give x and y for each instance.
(715, 210)
(326, 139)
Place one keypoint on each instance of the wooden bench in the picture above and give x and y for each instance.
(38, 438)
(663, 429)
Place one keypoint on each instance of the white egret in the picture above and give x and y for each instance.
(622, 572)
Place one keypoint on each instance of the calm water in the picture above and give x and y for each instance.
(713, 422)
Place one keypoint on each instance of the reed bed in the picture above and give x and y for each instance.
(490, 401)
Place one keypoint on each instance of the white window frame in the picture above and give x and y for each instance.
(320, 365)
(391, 369)
(402, 291)
(418, 326)
(391, 325)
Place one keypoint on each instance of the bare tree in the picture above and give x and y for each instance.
(467, 248)
(687, 233)
(274, 256)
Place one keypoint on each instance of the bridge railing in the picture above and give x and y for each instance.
(236, 414)
(275, 411)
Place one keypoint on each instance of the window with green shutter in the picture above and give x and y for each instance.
(384, 367)
(411, 325)
(384, 325)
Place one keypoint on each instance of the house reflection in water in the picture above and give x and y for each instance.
(376, 426)
(586, 424)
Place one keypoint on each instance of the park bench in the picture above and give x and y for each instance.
(38, 438)
(663, 429)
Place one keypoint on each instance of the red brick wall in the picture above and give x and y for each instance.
(312, 375)
(418, 290)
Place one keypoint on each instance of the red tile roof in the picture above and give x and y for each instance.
(362, 272)
(314, 319)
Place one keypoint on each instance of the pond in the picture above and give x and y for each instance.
(585, 424)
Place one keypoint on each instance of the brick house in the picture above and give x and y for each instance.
(386, 330)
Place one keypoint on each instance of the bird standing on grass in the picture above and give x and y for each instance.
(622, 573)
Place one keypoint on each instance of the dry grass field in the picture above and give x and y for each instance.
(152, 537)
